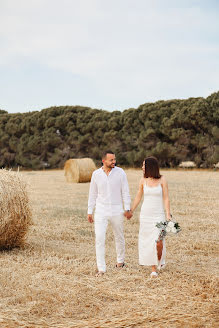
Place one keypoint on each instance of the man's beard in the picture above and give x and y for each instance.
(110, 166)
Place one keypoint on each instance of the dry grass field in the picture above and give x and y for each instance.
(51, 281)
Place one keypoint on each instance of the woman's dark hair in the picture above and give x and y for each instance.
(151, 168)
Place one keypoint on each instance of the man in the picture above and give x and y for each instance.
(109, 191)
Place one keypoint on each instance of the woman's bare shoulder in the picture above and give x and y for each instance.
(163, 180)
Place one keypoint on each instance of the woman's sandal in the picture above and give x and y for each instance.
(161, 266)
(153, 274)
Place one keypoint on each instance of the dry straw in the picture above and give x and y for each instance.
(187, 164)
(15, 212)
(79, 170)
(51, 283)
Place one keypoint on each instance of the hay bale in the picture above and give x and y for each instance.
(15, 212)
(187, 164)
(79, 170)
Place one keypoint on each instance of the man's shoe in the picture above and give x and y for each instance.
(121, 265)
(99, 274)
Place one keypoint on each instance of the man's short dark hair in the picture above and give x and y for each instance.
(107, 152)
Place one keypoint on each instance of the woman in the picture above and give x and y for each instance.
(154, 186)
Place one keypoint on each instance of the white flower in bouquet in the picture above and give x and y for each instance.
(171, 224)
(167, 227)
(174, 230)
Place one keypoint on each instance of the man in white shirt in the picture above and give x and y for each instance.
(109, 192)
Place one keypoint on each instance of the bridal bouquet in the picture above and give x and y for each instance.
(167, 227)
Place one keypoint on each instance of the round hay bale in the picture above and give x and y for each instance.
(79, 170)
(15, 212)
(187, 164)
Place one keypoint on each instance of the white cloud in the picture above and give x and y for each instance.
(126, 48)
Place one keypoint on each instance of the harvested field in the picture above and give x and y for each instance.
(51, 282)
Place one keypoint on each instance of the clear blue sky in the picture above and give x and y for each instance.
(106, 54)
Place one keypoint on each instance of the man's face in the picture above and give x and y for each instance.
(109, 161)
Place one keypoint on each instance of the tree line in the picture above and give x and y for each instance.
(172, 130)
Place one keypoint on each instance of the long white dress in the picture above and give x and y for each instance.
(152, 212)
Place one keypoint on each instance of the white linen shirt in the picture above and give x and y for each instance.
(109, 192)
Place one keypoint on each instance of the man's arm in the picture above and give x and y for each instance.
(92, 199)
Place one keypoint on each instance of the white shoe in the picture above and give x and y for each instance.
(153, 274)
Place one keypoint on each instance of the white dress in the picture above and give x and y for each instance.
(152, 212)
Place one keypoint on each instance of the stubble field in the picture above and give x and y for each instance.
(51, 281)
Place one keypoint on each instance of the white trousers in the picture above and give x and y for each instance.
(101, 223)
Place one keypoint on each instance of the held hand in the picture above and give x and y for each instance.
(90, 218)
(128, 214)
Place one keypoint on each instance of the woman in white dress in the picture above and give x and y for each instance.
(155, 205)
